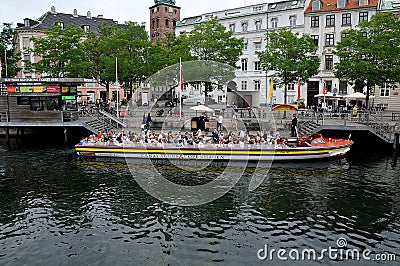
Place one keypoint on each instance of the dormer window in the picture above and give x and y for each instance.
(26, 23)
(362, 2)
(316, 5)
(86, 28)
(60, 24)
(341, 3)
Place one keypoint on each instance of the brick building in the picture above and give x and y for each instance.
(163, 18)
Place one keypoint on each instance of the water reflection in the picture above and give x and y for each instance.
(54, 208)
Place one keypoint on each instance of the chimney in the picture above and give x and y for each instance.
(53, 10)
(89, 15)
(75, 13)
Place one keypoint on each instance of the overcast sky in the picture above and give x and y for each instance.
(121, 10)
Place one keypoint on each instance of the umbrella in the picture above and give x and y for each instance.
(201, 108)
(284, 107)
(327, 95)
(357, 96)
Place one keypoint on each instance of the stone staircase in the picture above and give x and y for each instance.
(101, 121)
(307, 127)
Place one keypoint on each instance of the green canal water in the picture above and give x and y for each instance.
(57, 210)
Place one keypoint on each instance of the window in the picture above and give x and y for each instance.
(257, 45)
(363, 16)
(385, 91)
(330, 20)
(167, 23)
(364, 34)
(244, 26)
(341, 3)
(244, 64)
(25, 42)
(245, 46)
(314, 21)
(344, 35)
(61, 25)
(244, 85)
(257, 66)
(158, 23)
(316, 5)
(290, 87)
(330, 39)
(362, 2)
(343, 87)
(232, 27)
(258, 24)
(315, 39)
(86, 28)
(274, 23)
(27, 58)
(293, 20)
(328, 62)
(346, 19)
(258, 8)
(257, 85)
(153, 23)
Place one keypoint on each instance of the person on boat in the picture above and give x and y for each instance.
(219, 123)
(293, 126)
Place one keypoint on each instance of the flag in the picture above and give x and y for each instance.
(298, 89)
(271, 88)
(181, 76)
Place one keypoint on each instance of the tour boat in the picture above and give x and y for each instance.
(293, 150)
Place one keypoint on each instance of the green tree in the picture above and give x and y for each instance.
(60, 52)
(8, 55)
(370, 54)
(129, 43)
(211, 41)
(289, 56)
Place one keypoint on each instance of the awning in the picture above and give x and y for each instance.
(284, 107)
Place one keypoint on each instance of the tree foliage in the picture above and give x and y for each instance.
(8, 55)
(60, 51)
(210, 41)
(129, 44)
(289, 56)
(370, 53)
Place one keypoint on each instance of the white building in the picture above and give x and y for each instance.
(252, 23)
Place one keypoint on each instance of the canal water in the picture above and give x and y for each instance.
(57, 210)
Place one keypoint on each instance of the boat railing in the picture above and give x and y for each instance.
(174, 145)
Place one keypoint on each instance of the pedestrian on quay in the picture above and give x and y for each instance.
(293, 126)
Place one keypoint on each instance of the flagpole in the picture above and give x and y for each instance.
(116, 82)
(180, 88)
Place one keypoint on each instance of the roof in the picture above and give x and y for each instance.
(245, 11)
(331, 5)
(47, 20)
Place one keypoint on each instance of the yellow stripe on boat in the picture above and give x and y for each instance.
(213, 152)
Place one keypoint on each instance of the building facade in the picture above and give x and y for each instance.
(386, 96)
(324, 21)
(252, 23)
(34, 28)
(163, 18)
